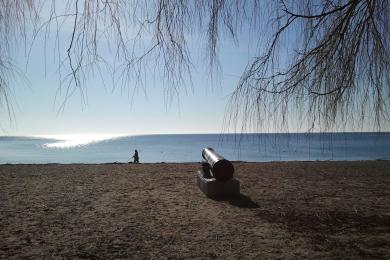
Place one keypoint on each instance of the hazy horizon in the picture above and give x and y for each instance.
(114, 135)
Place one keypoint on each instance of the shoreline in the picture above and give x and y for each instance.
(194, 162)
(286, 210)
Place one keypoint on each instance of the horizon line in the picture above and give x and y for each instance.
(115, 135)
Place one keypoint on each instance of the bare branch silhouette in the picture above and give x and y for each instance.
(339, 71)
(327, 62)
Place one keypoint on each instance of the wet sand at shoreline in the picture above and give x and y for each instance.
(286, 210)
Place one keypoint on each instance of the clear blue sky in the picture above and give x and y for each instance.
(36, 103)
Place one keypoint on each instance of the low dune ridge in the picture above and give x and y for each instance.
(286, 210)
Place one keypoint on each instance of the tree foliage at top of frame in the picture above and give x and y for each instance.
(326, 61)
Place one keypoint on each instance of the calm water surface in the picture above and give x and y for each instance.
(187, 148)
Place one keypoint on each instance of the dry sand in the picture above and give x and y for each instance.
(286, 210)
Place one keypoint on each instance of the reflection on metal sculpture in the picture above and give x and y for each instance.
(215, 179)
(220, 168)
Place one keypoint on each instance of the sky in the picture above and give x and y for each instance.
(198, 108)
(36, 97)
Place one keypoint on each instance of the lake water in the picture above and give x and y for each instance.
(187, 148)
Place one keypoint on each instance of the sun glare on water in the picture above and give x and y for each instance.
(76, 140)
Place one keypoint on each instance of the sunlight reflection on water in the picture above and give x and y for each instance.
(84, 148)
(72, 141)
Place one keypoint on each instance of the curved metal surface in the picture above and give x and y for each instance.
(221, 169)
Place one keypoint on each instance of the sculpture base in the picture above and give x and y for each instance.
(216, 189)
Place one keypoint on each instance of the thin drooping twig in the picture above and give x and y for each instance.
(338, 75)
(327, 62)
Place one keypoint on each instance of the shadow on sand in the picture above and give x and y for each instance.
(240, 201)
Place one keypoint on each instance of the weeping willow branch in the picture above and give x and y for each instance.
(338, 72)
(14, 16)
(326, 62)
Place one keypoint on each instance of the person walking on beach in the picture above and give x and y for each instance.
(135, 156)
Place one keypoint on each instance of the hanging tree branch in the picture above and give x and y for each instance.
(340, 69)
(327, 62)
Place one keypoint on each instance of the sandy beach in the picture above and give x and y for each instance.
(286, 210)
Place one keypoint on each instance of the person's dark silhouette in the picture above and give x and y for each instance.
(135, 156)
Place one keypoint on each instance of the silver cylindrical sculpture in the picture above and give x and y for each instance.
(221, 169)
